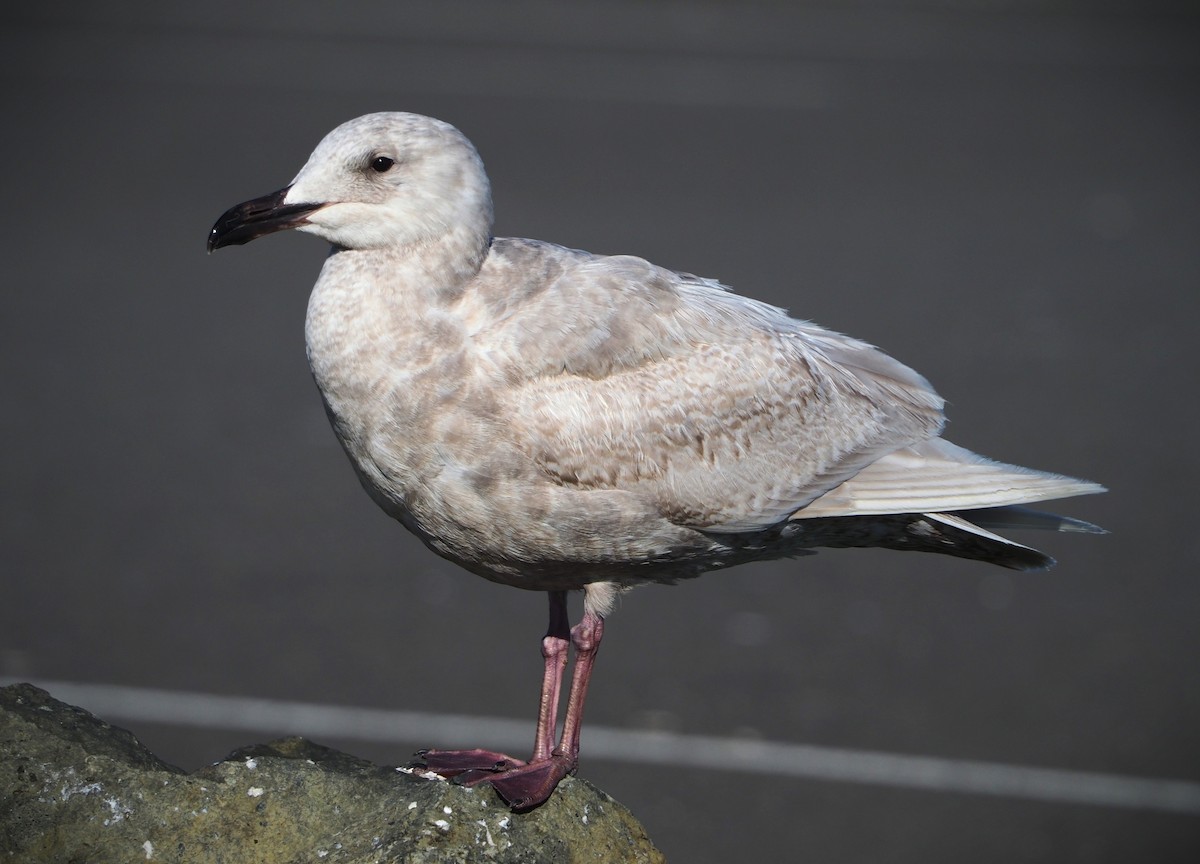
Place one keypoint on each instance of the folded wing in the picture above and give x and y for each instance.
(937, 476)
(724, 412)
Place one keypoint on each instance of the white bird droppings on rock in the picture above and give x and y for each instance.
(424, 775)
(119, 811)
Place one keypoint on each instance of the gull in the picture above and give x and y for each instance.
(560, 421)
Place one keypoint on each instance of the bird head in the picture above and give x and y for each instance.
(381, 180)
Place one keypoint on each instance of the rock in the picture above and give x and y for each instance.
(74, 788)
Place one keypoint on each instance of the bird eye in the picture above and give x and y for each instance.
(382, 163)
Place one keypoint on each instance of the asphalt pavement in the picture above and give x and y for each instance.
(1003, 196)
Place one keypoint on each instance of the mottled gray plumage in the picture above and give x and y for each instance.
(556, 420)
(549, 418)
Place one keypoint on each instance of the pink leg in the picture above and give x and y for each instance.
(554, 650)
(585, 636)
(527, 785)
(531, 785)
(473, 766)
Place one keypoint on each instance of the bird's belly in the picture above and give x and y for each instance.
(434, 451)
(486, 507)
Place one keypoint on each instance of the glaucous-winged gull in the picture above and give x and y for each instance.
(559, 421)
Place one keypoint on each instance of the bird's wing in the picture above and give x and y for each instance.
(936, 476)
(723, 411)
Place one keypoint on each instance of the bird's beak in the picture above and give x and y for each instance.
(257, 217)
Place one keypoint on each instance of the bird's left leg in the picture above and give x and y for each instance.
(472, 766)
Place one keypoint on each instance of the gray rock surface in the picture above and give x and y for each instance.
(74, 788)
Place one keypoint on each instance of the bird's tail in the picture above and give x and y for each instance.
(938, 497)
(958, 533)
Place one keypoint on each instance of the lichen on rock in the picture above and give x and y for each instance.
(74, 788)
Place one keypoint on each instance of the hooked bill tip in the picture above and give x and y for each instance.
(256, 218)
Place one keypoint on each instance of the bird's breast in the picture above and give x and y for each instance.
(390, 369)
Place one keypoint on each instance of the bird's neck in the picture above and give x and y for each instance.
(422, 273)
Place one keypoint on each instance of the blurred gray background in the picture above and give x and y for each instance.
(1001, 194)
